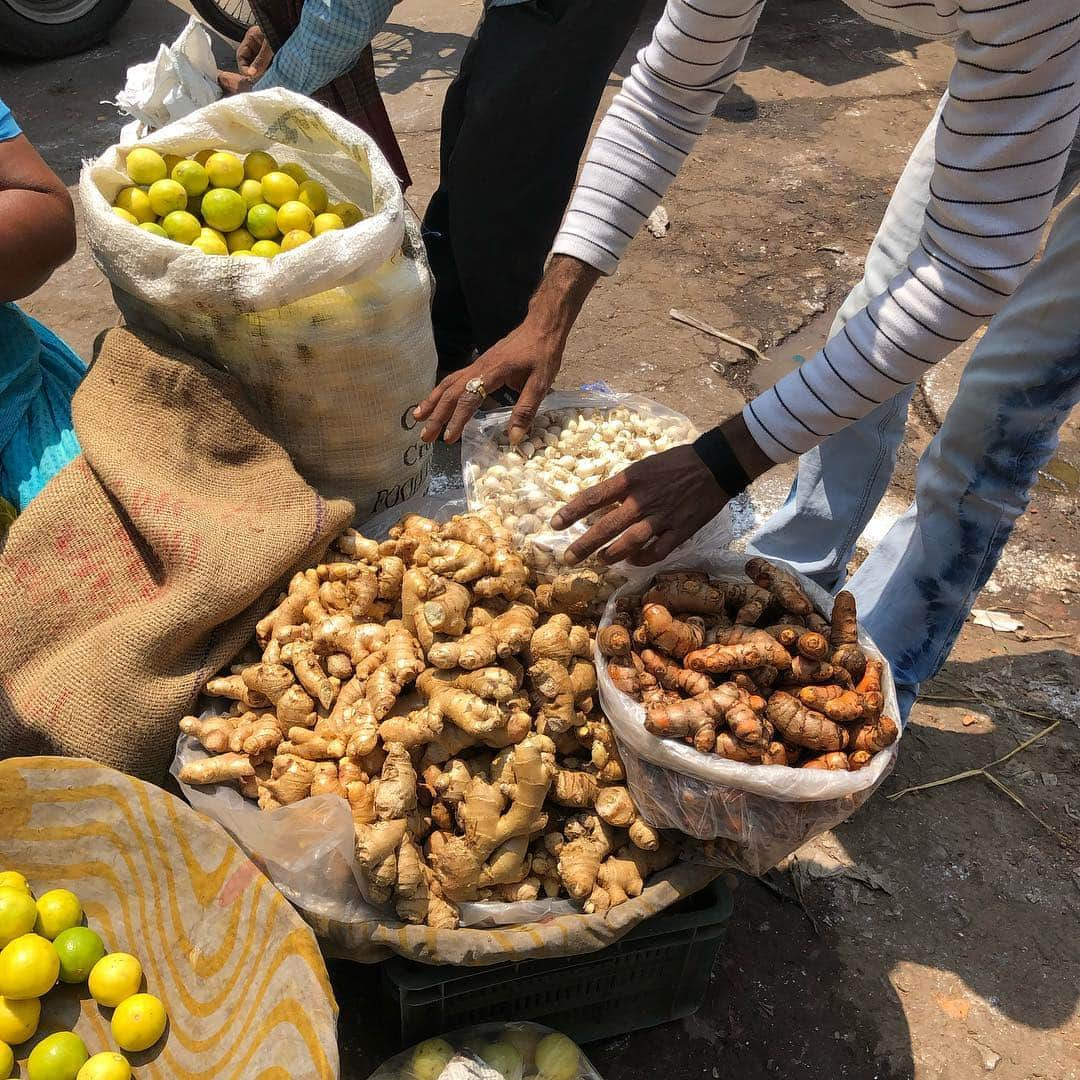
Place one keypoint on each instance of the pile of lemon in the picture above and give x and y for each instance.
(43, 941)
(225, 205)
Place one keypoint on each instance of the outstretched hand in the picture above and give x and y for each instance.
(253, 56)
(653, 506)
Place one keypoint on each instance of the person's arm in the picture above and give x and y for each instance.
(326, 43)
(663, 107)
(37, 219)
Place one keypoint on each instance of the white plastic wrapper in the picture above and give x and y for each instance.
(179, 80)
(511, 1051)
(757, 814)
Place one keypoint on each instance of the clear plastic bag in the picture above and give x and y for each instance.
(753, 815)
(510, 1051)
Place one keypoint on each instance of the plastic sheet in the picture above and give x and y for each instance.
(756, 814)
(491, 1052)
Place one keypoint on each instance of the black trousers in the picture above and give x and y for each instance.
(514, 125)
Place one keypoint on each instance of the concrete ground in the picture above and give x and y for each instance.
(933, 935)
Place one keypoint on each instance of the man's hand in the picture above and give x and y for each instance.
(232, 83)
(656, 504)
(527, 359)
(253, 56)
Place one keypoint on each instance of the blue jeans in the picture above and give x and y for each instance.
(917, 586)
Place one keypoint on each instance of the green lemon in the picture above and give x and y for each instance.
(257, 164)
(144, 165)
(225, 170)
(137, 202)
(278, 188)
(166, 196)
(79, 950)
(192, 176)
(262, 222)
(265, 249)
(15, 914)
(297, 172)
(57, 1057)
(181, 226)
(224, 209)
(327, 223)
(349, 212)
(58, 909)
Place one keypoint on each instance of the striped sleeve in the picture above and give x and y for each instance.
(653, 123)
(1002, 144)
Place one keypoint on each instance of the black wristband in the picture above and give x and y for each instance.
(716, 453)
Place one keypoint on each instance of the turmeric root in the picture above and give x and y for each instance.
(613, 640)
(781, 583)
(739, 649)
(673, 677)
(686, 592)
(836, 761)
(803, 726)
(836, 702)
(676, 637)
(875, 735)
(812, 646)
(685, 717)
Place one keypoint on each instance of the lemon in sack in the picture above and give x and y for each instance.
(251, 192)
(294, 215)
(224, 209)
(181, 226)
(242, 254)
(144, 165)
(257, 164)
(224, 169)
(349, 212)
(138, 1022)
(191, 176)
(294, 238)
(154, 229)
(278, 188)
(210, 244)
(262, 222)
(265, 249)
(166, 196)
(79, 950)
(326, 223)
(115, 977)
(137, 202)
(15, 917)
(239, 240)
(28, 967)
(12, 879)
(125, 215)
(203, 156)
(313, 196)
(171, 161)
(297, 172)
(58, 909)
(58, 1057)
(19, 1019)
(106, 1066)
(7, 1061)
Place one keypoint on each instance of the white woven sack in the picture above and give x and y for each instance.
(332, 341)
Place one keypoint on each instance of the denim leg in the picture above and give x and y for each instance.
(840, 483)
(917, 587)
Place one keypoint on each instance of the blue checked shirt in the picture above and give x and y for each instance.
(328, 41)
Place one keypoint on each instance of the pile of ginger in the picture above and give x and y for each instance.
(431, 682)
(749, 670)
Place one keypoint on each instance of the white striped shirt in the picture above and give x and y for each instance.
(1004, 138)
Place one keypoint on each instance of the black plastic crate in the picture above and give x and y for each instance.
(658, 972)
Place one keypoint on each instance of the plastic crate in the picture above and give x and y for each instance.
(658, 972)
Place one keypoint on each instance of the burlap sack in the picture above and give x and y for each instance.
(145, 563)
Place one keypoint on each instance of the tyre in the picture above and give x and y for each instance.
(230, 18)
(44, 29)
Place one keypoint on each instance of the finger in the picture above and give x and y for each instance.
(602, 533)
(464, 411)
(427, 406)
(632, 541)
(525, 410)
(661, 548)
(591, 500)
(440, 415)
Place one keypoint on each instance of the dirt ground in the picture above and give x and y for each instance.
(935, 934)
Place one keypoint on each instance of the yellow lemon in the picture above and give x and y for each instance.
(28, 967)
(124, 215)
(265, 249)
(294, 238)
(136, 202)
(243, 254)
(294, 215)
(313, 196)
(181, 226)
(138, 1023)
(166, 196)
(57, 1057)
(279, 188)
(7, 1061)
(209, 244)
(203, 156)
(192, 176)
(144, 165)
(327, 223)
(12, 879)
(257, 164)
(58, 910)
(105, 1066)
(224, 209)
(251, 192)
(154, 229)
(114, 977)
(19, 1018)
(18, 913)
(349, 212)
(239, 240)
(262, 221)
(225, 170)
(297, 172)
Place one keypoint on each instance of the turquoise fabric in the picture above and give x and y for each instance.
(8, 128)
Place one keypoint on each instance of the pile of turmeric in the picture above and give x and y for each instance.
(749, 670)
(450, 699)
